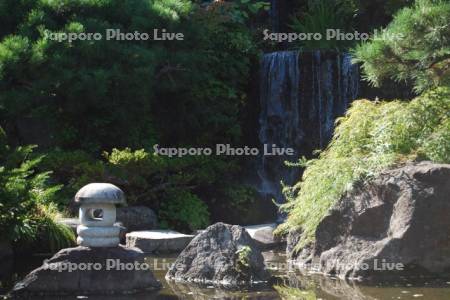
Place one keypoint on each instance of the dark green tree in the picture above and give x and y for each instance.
(415, 47)
(100, 94)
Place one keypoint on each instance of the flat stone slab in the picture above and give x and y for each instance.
(158, 241)
(263, 236)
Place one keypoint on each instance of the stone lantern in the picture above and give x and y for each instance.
(85, 270)
(98, 215)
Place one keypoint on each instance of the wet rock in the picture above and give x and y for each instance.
(292, 240)
(222, 255)
(395, 224)
(89, 271)
(136, 218)
(158, 241)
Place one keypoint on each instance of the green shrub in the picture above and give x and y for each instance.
(27, 209)
(147, 177)
(72, 170)
(54, 234)
(158, 182)
(242, 197)
(320, 16)
(243, 257)
(369, 138)
(183, 210)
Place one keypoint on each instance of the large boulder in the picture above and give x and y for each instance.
(223, 255)
(397, 223)
(89, 271)
(136, 218)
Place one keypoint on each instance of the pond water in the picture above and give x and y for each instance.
(286, 285)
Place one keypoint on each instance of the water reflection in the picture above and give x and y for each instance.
(287, 284)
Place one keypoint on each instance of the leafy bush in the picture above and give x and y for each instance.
(183, 191)
(183, 210)
(27, 211)
(72, 170)
(320, 16)
(243, 259)
(369, 138)
(421, 55)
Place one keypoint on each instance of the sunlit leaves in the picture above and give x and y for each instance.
(369, 138)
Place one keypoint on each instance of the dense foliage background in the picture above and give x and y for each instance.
(97, 107)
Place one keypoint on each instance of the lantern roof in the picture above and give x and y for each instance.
(95, 193)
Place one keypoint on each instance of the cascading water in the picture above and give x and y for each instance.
(302, 93)
(280, 116)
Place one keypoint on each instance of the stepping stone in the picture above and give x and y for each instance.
(158, 241)
(263, 236)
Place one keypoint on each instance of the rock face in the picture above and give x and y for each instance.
(223, 255)
(158, 241)
(397, 223)
(136, 218)
(89, 271)
(291, 241)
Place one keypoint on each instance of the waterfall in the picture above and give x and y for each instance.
(302, 93)
(280, 115)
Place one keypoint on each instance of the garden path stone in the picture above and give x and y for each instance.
(158, 241)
